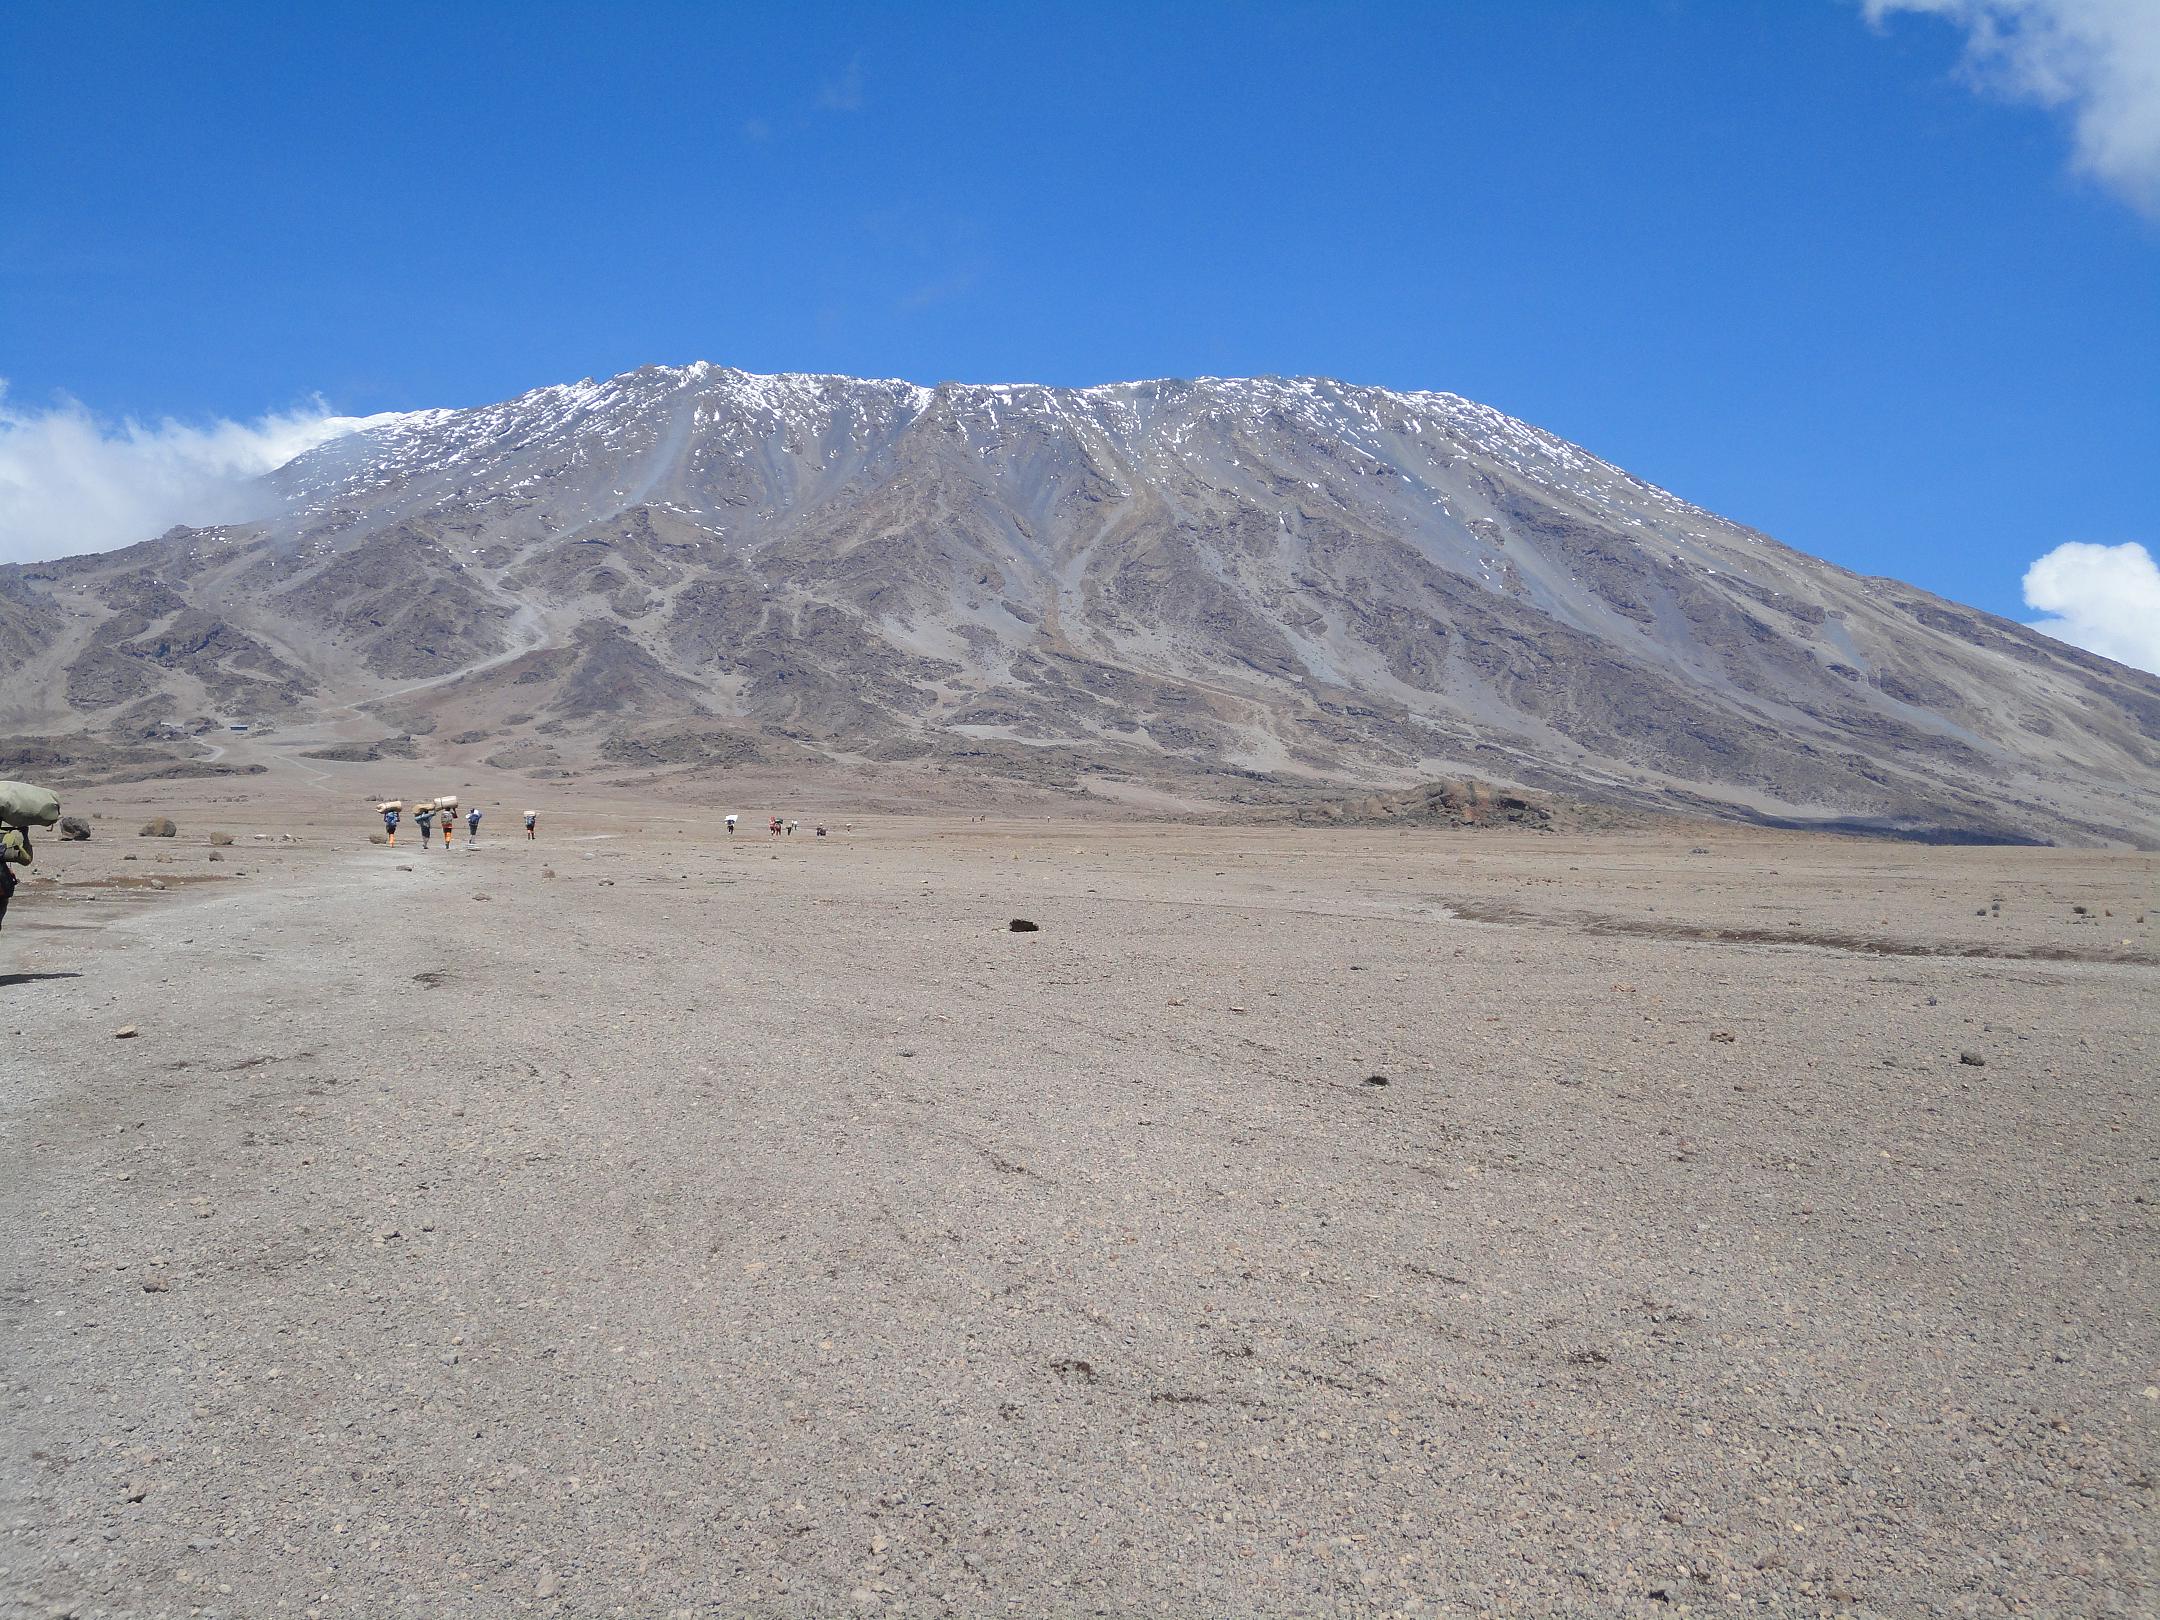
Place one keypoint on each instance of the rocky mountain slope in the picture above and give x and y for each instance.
(1251, 583)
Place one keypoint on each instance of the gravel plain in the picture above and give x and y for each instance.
(647, 1222)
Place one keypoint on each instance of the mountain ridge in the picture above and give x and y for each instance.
(1277, 581)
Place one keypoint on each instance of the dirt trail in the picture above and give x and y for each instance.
(736, 1226)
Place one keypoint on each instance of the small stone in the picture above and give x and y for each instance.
(137, 1490)
(1020, 925)
(157, 883)
(1972, 1060)
(547, 1585)
(126, 1032)
(1376, 1079)
(483, 897)
(154, 1284)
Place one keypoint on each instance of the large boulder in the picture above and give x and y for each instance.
(74, 828)
(158, 827)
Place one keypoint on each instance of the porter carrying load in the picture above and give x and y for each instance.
(21, 808)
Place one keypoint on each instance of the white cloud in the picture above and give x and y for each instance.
(2100, 59)
(2105, 599)
(71, 482)
(844, 94)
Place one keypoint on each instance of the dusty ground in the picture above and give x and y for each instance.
(720, 1228)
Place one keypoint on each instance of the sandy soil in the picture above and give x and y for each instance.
(643, 1222)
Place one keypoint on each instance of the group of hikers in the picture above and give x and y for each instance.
(426, 811)
(23, 806)
(774, 828)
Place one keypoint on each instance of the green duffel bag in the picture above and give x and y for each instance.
(22, 805)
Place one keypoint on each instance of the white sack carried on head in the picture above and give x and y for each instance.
(24, 805)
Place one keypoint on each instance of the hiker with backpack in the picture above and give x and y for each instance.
(425, 815)
(472, 826)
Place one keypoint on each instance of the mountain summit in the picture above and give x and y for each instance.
(1289, 580)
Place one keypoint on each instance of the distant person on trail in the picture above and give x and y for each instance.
(532, 820)
(731, 824)
(791, 826)
(449, 824)
(472, 826)
(389, 825)
(773, 827)
(426, 818)
(15, 851)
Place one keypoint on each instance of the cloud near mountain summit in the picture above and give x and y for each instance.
(2105, 599)
(73, 482)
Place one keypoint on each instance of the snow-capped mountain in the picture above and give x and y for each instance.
(1296, 579)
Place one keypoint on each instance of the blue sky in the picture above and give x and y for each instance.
(1800, 268)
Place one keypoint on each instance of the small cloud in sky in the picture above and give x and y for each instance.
(2105, 599)
(939, 291)
(72, 482)
(844, 94)
(2098, 59)
(756, 130)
